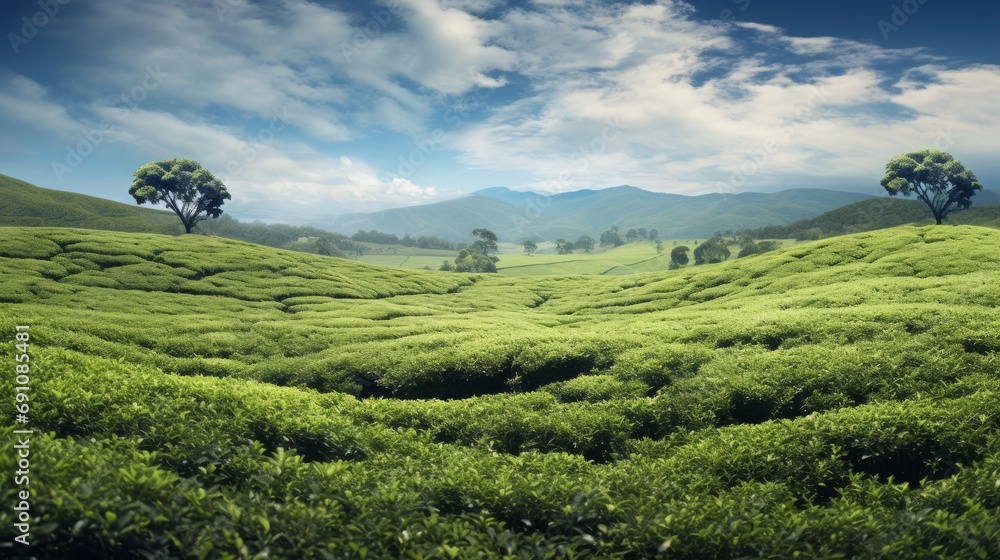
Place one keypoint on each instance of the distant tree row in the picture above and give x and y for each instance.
(584, 243)
(422, 241)
(614, 238)
(716, 250)
(300, 238)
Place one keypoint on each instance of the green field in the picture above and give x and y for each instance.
(206, 398)
(630, 258)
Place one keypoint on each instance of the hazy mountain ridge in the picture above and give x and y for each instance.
(514, 215)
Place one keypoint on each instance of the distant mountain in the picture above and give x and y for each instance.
(514, 215)
(881, 213)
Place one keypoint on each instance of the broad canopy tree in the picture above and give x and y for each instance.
(585, 243)
(935, 177)
(713, 250)
(529, 246)
(184, 186)
(564, 247)
(679, 255)
(477, 257)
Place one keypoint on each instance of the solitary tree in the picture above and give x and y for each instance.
(679, 255)
(611, 237)
(487, 242)
(529, 246)
(585, 243)
(184, 186)
(563, 247)
(659, 247)
(935, 177)
(713, 250)
(477, 257)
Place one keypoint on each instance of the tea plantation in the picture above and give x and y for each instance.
(195, 397)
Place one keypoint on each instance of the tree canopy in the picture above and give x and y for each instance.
(679, 255)
(184, 186)
(611, 237)
(529, 246)
(477, 257)
(935, 177)
(713, 250)
(564, 247)
(585, 243)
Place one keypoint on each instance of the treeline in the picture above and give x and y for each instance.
(864, 215)
(283, 236)
(614, 236)
(717, 249)
(873, 214)
(422, 241)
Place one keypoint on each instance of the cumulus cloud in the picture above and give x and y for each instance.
(292, 100)
(699, 104)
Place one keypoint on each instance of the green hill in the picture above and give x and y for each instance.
(877, 213)
(24, 204)
(201, 397)
(516, 215)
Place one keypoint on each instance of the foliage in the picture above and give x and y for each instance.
(611, 238)
(184, 186)
(477, 257)
(584, 243)
(750, 247)
(529, 246)
(422, 241)
(679, 255)
(563, 247)
(712, 250)
(936, 178)
(201, 397)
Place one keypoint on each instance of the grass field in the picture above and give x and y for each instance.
(627, 259)
(207, 398)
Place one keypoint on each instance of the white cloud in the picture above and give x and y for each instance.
(582, 94)
(28, 103)
(693, 104)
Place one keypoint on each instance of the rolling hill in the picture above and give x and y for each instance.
(24, 204)
(881, 213)
(515, 215)
(194, 396)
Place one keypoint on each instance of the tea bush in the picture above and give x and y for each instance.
(205, 398)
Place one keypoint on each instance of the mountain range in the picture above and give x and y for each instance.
(514, 215)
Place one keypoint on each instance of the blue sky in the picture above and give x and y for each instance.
(312, 109)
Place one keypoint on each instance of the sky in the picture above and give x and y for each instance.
(307, 110)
